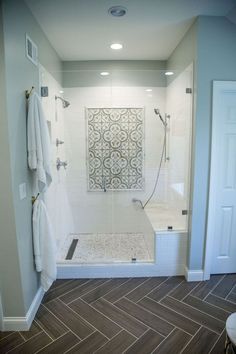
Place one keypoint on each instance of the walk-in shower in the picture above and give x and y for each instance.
(127, 178)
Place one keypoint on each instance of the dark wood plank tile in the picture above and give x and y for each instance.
(145, 288)
(197, 316)
(32, 345)
(174, 343)
(146, 344)
(61, 345)
(206, 308)
(76, 324)
(219, 345)
(51, 325)
(9, 342)
(183, 289)
(72, 248)
(60, 290)
(89, 345)
(120, 317)
(162, 290)
(118, 344)
(124, 289)
(103, 289)
(60, 282)
(34, 329)
(225, 286)
(224, 304)
(99, 321)
(4, 334)
(204, 287)
(144, 316)
(81, 290)
(170, 316)
(231, 297)
(201, 343)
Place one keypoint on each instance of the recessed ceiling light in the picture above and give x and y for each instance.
(169, 73)
(117, 11)
(104, 73)
(116, 46)
(61, 91)
(148, 90)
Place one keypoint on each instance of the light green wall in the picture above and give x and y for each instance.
(10, 278)
(211, 45)
(20, 75)
(216, 43)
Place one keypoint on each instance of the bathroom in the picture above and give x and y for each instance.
(131, 131)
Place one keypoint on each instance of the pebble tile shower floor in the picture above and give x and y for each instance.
(130, 315)
(105, 248)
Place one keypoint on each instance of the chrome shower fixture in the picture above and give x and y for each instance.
(65, 103)
(157, 112)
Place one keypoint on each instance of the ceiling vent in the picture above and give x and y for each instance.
(31, 50)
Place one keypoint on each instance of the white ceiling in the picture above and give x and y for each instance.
(151, 29)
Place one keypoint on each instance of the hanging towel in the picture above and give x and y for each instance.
(39, 147)
(44, 245)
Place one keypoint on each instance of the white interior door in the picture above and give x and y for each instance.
(222, 198)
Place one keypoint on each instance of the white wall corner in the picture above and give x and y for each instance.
(194, 275)
(24, 323)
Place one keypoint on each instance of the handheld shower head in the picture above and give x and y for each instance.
(157, 112)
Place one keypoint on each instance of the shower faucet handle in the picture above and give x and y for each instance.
(59, 142)
(60, 163)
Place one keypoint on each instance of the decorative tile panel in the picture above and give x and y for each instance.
(115, 148)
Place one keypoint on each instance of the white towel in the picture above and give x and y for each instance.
(39, 147)
(44, 245)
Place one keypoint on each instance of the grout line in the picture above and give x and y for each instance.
(137, 340)
(159, 316)
(222, 299)
(209, 303)
(47, 345)
(217, 340)
(167, 294)
(108, 341)
(189, 293)
(214, 287)
(52, 313)
(156, 287)
(122, 328)
(25, 340)
(210, 329)
(117, 287)
(57, 297)
(11, 332)
(164, 340)
(124, 296)
(87, 292)
(190, 340)
(43, 330)
(231, 291)
(84, 319)
(132, 317)
(19, 345)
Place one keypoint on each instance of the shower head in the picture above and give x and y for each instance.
(157, 112)
(65, 103)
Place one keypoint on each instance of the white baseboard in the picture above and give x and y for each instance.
(75, 271)
(24, 323)
(194, 275)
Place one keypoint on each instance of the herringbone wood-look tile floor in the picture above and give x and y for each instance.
(139, 315)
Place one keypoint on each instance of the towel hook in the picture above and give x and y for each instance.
(34, 199)
(28, 93)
